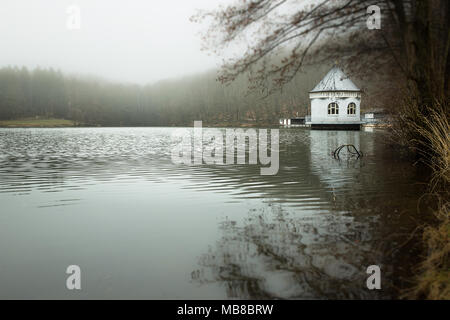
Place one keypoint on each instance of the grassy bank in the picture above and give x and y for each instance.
(434, 277)
(36, 123)
(429, 136)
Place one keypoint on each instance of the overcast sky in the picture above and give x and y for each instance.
(139, 41)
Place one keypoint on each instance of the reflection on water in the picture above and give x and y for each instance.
(110, 200)
(277, 255)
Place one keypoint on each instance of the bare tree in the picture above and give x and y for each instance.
(412, 43)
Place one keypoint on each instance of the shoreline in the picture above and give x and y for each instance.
(63, 123)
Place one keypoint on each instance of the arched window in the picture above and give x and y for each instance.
(351, 109)
(333, 108)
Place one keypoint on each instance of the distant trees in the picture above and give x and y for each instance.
(48, 93)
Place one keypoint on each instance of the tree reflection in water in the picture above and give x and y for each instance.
(324, 223)
(274, 254)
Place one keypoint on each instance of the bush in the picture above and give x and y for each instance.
(425, 130)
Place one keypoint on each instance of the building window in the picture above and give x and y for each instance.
(351, 109)
(333, 108)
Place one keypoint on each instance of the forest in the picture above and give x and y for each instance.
(91, 101)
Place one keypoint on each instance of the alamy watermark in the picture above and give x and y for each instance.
(73, 281)
(73, 21)
(374, 20)
(208, 146)
(374, 280)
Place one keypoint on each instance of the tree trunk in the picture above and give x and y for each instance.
(426, 40)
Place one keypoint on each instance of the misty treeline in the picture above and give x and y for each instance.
(47, 93)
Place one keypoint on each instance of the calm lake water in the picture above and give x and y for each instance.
(111, 201)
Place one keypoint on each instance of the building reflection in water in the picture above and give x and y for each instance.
(289, 252)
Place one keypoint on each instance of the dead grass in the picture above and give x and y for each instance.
(429, 136)
(433, 141)
(433, 280)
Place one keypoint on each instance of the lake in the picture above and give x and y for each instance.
(111, 201)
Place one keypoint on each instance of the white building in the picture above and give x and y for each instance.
(335, 103)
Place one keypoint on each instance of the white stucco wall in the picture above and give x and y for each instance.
(320, 102)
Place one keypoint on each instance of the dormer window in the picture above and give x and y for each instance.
(351, 109)
(333, 108)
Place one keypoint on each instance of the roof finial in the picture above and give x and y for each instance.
(336, 62)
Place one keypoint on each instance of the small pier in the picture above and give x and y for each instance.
(295, 122)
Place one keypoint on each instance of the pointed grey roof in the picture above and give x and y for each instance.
(335, 80)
